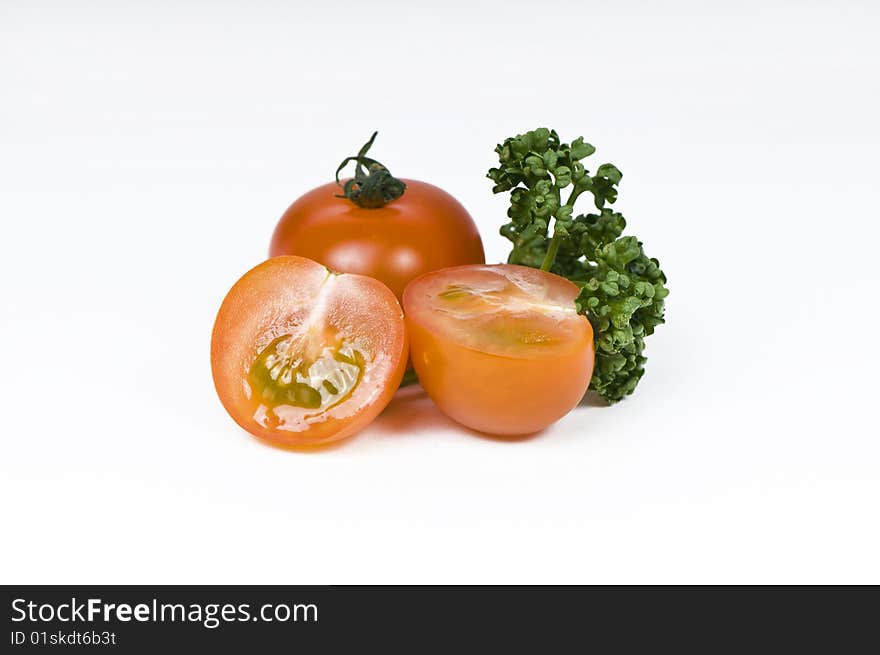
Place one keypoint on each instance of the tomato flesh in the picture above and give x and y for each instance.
(303, 356)
(424, 230)
(286, 374)
(500, 349)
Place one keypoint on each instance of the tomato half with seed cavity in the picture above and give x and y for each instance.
(500, 349)
(303, 356)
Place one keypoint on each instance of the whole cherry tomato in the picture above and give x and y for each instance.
(500, 349)
(303, 356)
(377, 225)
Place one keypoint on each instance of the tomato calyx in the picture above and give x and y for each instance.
(373, 185)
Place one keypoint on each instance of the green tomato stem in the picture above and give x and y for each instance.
(372, 186)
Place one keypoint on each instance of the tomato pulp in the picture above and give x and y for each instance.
(424, 229)
(500, 349)
(303, 356)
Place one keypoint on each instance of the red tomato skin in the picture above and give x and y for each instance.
(493, 393)
(424, 230)
(498, 395)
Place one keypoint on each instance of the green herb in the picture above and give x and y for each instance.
(622, 290)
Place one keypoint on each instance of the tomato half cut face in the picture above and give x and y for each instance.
(500, 349)
(303, 356)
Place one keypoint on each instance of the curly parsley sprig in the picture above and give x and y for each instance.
(622, 290)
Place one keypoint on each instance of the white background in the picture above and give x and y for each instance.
(147, 149)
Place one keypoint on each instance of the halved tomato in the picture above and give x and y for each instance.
(500, 349)
(302, 355)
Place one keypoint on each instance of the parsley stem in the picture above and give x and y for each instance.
(575, 192)
(550, 257)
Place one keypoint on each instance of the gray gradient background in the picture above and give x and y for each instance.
(147, 149)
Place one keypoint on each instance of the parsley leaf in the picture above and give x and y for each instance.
(622, 290)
